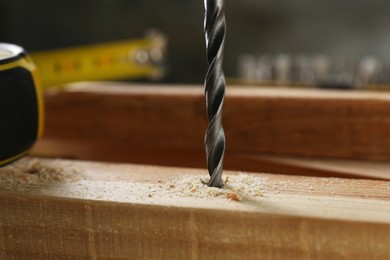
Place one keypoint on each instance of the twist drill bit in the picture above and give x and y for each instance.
(215, 27)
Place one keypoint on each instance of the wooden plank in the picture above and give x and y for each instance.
(165, 126)
(317, 123)
(83, 209)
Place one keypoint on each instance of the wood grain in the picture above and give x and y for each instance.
(118, 211)
(165, 125)
(277, 121)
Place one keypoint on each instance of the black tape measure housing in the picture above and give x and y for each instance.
(19, 108)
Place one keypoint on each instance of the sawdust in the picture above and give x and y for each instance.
(236, 188)
(35, 171)
(40, 172)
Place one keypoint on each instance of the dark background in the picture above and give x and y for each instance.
(349, 28)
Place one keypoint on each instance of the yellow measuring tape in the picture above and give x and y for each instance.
(109, 61)
(21, 84)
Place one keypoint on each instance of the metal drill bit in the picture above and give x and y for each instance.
(215, 27)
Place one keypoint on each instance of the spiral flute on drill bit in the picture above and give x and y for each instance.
(215, 89)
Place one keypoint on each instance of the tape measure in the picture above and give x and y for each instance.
(21, 103)
(128, 59)
(21, 83)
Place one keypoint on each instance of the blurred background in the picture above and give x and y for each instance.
(350, 29)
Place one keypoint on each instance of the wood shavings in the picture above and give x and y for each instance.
(236, 187)
(34, 171)
(234, 196)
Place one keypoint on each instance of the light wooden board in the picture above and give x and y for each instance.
(123, 211)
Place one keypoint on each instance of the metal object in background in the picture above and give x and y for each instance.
(131, 59)
(215, 89)
(21, 103)
(314, 71)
